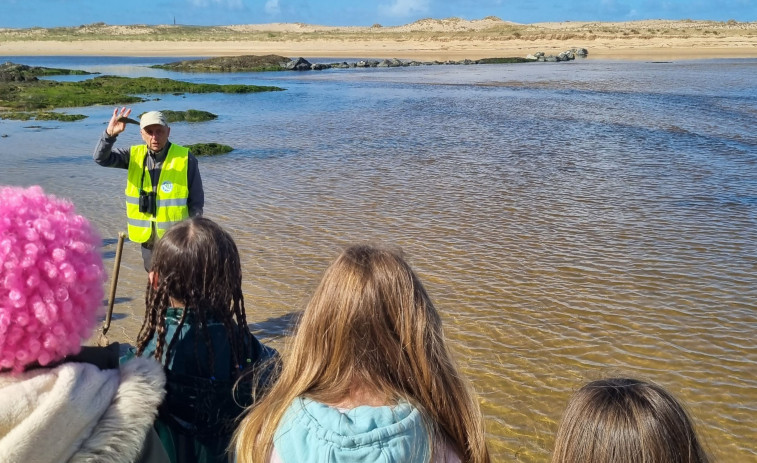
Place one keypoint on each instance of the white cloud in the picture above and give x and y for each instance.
(402, 8)
(272, 7)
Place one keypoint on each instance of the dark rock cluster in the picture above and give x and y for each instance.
(564, 56)
(301, 64)
(11, 72)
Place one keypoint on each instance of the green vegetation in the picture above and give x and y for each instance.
(190, 115)
(106, 90)
(209, 149)
(246, 63)
(12, 72)
(41, 116)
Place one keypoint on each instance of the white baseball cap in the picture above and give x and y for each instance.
(152, 118)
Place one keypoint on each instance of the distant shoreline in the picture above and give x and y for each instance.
(430, 39)
(423, 51)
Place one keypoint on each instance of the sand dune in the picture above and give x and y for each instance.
(440, 39)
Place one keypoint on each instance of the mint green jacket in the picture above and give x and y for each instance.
(312, 432)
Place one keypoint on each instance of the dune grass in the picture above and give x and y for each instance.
(422, 30)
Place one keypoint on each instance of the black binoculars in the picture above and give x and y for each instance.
(147, 202)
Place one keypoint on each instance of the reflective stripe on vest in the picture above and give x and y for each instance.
(172, 193)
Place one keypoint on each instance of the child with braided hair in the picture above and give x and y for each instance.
(195, 325)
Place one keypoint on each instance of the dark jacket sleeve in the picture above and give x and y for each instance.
(106, 156)
(153, 450)
(196, 199)
(104, 357)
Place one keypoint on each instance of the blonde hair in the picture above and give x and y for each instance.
(370, 322)
(623, 420)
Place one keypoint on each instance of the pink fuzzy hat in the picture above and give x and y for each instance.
(51, 278)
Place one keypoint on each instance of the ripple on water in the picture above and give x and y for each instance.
(569, 226)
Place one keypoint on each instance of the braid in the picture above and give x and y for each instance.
(197, 263)
(143, 330)
(243, 340)
(156, 300)
(237, 329)
(161, 331)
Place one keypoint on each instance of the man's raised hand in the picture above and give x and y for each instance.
(116, 125)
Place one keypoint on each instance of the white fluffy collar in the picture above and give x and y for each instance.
(76, 412)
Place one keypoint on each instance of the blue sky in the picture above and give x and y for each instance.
(53, 13)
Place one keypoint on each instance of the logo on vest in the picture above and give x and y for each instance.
(166, 187)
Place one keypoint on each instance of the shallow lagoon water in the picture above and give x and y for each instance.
(570, 220)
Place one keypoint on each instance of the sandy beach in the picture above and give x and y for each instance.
(429, 39)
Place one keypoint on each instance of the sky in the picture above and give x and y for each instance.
(55, 13)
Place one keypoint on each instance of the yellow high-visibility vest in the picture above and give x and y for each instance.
(172, 193)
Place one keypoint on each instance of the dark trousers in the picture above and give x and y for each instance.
(146, 256)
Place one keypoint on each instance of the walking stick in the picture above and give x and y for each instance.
(113, 284)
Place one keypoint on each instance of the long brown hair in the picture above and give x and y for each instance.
(622, 420)
(371, 323)
(196, 262)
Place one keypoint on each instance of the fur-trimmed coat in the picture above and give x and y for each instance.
(76, 412)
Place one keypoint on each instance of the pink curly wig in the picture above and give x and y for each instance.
(51, 278)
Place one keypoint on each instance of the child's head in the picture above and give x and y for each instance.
(623, 420)
(51, 278)
(369, 323)
(371, 330)
(195, 266)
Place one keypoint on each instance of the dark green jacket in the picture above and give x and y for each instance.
(202, 407)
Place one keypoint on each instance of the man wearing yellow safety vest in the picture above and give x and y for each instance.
(163, 184)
